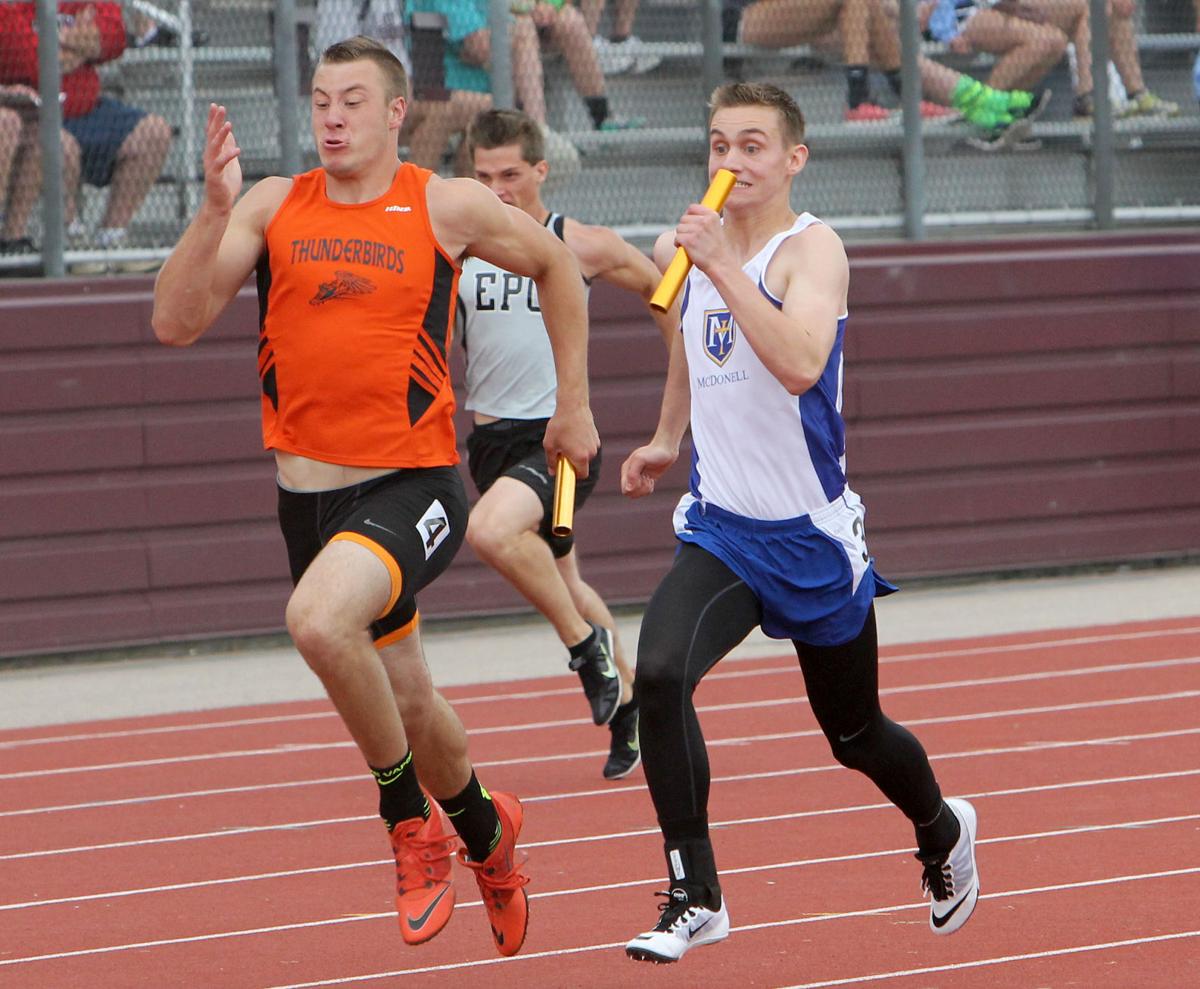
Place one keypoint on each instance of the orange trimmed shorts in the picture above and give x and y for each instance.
(413, 519)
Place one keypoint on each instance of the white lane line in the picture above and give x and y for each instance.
(819, 919)
(999, 960)
(555, 797)
(793, 864)
(786, 666)
(390, 917)
(740, 740)
(292, 748)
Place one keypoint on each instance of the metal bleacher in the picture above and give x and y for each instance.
(638, 179)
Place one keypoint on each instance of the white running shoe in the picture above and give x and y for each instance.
(613, 60)
(680, 926)
(952, 881)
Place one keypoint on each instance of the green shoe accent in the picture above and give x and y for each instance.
(1019, 100)
(990, 120)
(966, 93)
(987, 107)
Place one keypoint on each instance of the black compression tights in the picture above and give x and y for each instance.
(699, 612)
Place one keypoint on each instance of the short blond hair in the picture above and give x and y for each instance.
(733, 94)
(361, 48)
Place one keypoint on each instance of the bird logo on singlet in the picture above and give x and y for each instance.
(720, 333)
(344, 285)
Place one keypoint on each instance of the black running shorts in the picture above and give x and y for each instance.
(413, 520)
(513, 448)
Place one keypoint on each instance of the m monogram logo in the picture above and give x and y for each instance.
(720, 334)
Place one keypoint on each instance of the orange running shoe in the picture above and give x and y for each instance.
(424, 895)
(866, 113)
(501, 882)
(935, 111)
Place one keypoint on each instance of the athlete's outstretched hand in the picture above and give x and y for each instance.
(645, 466)
(571, 433)
(222, 170)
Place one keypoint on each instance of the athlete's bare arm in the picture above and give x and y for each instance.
(603, 254)
(468, 219)
(648, 463)
(809, 273)
(221, 245)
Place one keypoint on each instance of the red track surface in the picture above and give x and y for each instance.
(239, 848)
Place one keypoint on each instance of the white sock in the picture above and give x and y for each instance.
(110, 236)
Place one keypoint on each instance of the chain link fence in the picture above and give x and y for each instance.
(906, 103)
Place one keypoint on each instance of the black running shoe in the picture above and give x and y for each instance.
(598, 672)
(624, 752)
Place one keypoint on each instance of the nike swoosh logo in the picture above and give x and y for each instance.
(945, 919)
(378, 526)
(854, 735)
(696, 930)
(416, 923)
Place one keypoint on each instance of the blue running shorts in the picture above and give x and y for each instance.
(812, 574)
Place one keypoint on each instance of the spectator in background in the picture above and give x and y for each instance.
(620, 50)
(433, 123)
(18, 126)
(868, 37)
(1027, 47)
(143, 31)
(1196, 64)
(562, 28)
(106, 141)
(1030, 37)
(11, 128)
(383, 20)
(1122, 38)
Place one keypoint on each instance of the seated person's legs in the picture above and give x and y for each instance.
(783, 23)
(1123, 41)
(25, 182)
(1027, 51)
(124, 147)
(567, 31)
(139, 163)
(867, 36)
(528, 74)
(431, 124)
(10, 141)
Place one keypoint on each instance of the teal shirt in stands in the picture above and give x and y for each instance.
(463, 18)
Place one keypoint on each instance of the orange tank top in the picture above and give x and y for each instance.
(356, 305)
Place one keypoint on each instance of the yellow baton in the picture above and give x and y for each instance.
(672, 279)
(563, 520)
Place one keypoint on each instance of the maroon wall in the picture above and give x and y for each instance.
(1010, 405)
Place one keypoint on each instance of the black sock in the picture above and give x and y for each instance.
(626, 709)
(580, 648)
(690, 865)
(857, 85)
(597, 106)
(616, 39)
(400, 795)
(939, 835)
(893, 78)
(475, 819)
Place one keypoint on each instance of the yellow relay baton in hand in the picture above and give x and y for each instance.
(563, 519)
(672, 279)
